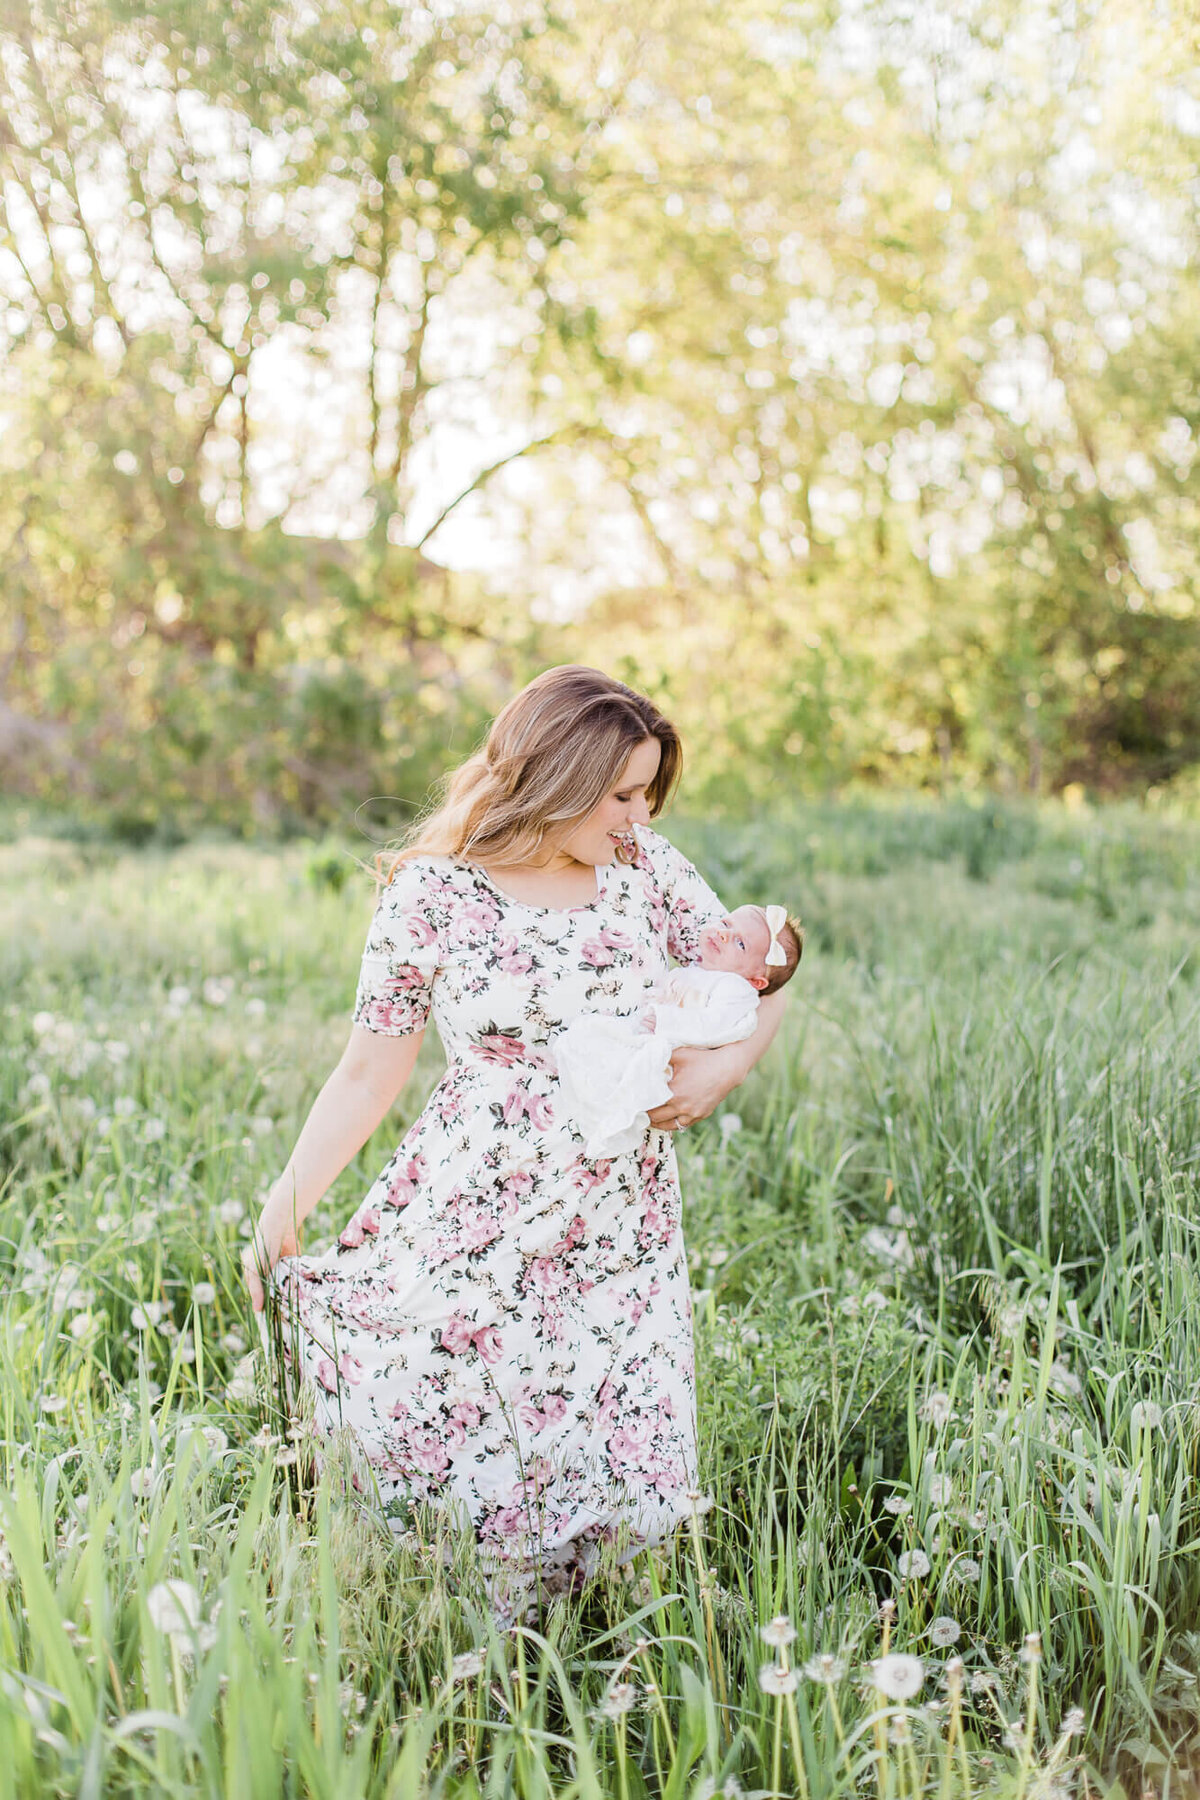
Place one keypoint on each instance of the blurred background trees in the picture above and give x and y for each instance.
(829, 371)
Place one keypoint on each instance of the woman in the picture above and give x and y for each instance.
(505, 1324)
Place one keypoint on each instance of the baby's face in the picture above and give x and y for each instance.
(739, 944)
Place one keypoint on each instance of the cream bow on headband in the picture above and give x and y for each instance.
(776, 919)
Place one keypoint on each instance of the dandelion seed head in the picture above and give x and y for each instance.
(779, 1633)
(174, 1607)
(899, 1677)
(829, 1669)
(620, 1699)
(773, 1679)
(944, 1631)
(914, 1565)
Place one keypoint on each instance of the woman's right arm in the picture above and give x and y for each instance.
(353, 1102)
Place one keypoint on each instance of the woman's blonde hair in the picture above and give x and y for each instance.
(550, 756)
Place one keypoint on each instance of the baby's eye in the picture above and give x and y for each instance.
(741, 943)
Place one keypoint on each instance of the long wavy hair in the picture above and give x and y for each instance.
(550, 756)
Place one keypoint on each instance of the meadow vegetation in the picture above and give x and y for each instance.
(946, 1284)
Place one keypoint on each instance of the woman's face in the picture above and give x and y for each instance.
(594, 839)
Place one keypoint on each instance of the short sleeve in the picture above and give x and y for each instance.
(400, 958)
(685, 897)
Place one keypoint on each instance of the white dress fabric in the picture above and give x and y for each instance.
(612, 1072)
(505, 1322)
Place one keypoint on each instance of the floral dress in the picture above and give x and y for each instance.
(505, 1323)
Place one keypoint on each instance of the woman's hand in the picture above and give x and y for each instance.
(700, 1080)
(269, 1240)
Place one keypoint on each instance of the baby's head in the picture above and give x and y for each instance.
(739, 943)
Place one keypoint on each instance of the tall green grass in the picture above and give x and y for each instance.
(945, 1267)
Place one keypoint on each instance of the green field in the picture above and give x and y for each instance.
(947, 1294)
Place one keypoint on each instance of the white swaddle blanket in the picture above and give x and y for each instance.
(611, 1072)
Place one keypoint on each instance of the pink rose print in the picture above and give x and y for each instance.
(500, 1048)
(522, 1337)
(456, 1335)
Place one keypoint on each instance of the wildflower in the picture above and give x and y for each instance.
(967, 1569)
(779, 1633)
(621, 1699)
(1012, 1321)
(241, 1384)
(124, 1106)
(116, 1050)
(936, 1410)
(700, 1503)
(982, 1681)
(1031, 1649)
(1064, 1380)
(42, 1022)
(174, 1607)
(203, 1294)
(849, 1306)
(773, 1679)
(53, 1403)
(829, 1669)
(954, 1674)
(914, 1565)
(256, 1008)
(143, 1481)
(1146, 1415)
(469, 1663)
(154, 1131)
(216, 990)
(1072, 1725)
(941, 1490)
(262, 1124)
(231, 1212)
(875, 1300)
(212, 1437)
(730, 1124)
(944, 1631)
(899, 1677)
(179, 996)
(897, 1505)
(146, 1317)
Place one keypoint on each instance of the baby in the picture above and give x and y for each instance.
(612, 1068)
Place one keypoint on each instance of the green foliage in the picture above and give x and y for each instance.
(861, 366)
(945, 1287)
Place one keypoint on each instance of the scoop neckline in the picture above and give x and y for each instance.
(530, 906)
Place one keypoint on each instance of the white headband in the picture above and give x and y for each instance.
(776, 919)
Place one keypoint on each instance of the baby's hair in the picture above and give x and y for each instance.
(791, 936)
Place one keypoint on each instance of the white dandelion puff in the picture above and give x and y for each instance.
(174, 1607)
(1146, 1415)
(779, 1633)
(899, 1677)
(773, 1679)
(914, 1565)
(936, 1410)
(465, 1665)
(944, 1631)
(829, 1669)
(621, 1698)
